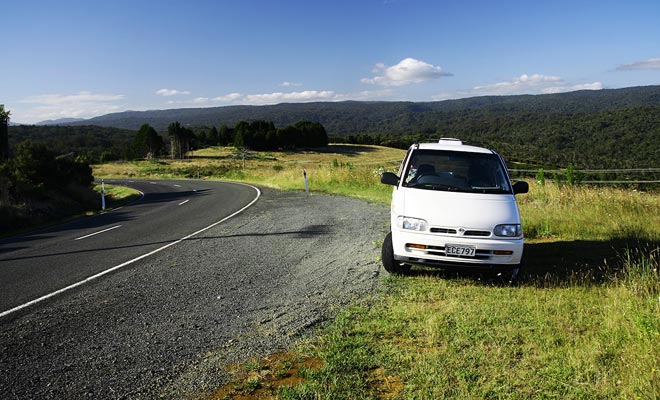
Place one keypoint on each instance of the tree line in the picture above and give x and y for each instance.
(96, 144)
(255, 135)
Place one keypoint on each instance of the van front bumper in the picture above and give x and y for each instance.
(429, 249)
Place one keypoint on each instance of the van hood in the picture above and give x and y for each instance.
(460, 210)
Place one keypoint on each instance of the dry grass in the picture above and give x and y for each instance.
(338, 169)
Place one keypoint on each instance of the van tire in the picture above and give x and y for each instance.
(387, 256)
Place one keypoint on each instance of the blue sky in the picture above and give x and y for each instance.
(88, 58)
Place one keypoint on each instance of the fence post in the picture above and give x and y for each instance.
(102, 195)
(305, 178)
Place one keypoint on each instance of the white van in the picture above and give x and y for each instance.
(453, 206)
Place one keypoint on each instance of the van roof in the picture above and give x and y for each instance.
(450, 144)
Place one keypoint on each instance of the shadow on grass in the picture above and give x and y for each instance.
(207, 157)
(558, 264)
(349, 150)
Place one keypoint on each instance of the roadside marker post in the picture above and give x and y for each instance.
(102, 195)
(305, 178)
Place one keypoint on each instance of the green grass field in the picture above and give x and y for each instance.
(583, 321)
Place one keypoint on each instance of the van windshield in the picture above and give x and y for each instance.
(456, 171)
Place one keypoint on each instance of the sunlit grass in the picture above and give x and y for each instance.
(589, 213)
(339, 169)
(116, 196)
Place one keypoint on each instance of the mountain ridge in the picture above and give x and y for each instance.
(358, 117)
(60, 121)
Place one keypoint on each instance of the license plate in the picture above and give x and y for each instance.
(459, 250)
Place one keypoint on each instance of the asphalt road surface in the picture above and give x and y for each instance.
(168, 324)
(37, 264)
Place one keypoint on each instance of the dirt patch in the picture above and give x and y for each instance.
(385, 386)
(261, 379)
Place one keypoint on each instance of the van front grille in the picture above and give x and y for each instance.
(477, 233)
(451, 231)
(443, 230)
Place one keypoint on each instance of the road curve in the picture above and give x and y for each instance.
(45, 262)
(168, 325)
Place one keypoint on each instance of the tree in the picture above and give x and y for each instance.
(4, 133)
(225, 136)
(34, 164)
(242, 135)
(214, 136)
(311, 134)
(147, 143)
(180, 139)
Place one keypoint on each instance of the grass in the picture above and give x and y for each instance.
(456, 338)
(339, 169)
(582, 322)
(554, 212)
(116, 196)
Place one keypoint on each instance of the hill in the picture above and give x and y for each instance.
(354, 118)
(60, 121)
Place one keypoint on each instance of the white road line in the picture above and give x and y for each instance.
(96, 233)
(184, 202)
(177, 185)
(107, 271)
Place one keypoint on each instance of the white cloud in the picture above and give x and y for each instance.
(290, 97)
(406, 72)
(651, 63)
(80, 105)
(228, 98)
(290, 84)
(523, 84)
(81, 97)
(170, 92)
(305, 96)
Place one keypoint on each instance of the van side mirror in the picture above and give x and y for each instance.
(389, 178)
(520, 187)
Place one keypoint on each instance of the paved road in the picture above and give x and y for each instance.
(41, 263)
(168, 325)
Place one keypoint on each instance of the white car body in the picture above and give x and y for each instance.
(443, 220)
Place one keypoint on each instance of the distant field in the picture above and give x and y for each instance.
(582, 322)
(349, 170)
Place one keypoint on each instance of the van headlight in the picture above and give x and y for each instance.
(413, 224)
(508, 230)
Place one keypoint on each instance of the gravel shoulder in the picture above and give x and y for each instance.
(170, 324)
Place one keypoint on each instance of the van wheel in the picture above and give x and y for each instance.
(516, 273)
(389, 263)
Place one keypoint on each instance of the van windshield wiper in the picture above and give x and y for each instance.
(434, 186)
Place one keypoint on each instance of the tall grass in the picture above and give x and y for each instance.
(565, 212)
